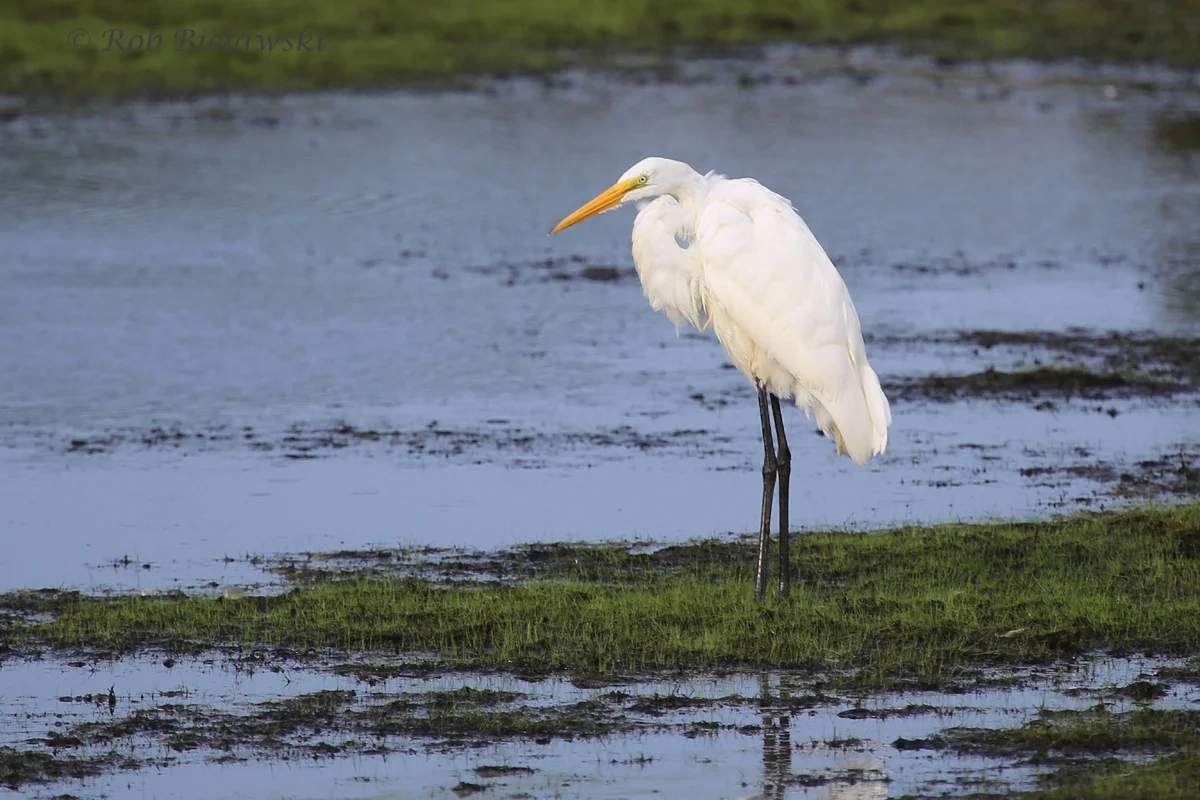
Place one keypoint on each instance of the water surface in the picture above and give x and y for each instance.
(232, 271)
(727, 737)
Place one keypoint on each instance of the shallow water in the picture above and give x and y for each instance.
(749, 740)
(233, 268)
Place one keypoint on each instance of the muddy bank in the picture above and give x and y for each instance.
(952, 640)
(861, 603)
(1032, 385)
(305, 441)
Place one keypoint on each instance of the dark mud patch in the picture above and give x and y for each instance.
(619, 562)
(1175, 473)
(957, 266)
(567, 269)
(21, 768)
(578, 268)
(315, 725)
(484, 445)
(660, 705)
(1032, 385)
(1041, 367)
(1044, 369)
(488, 771)
(910, 710)
(1187, 673)
(1117, 350)
(1178, 134)
(1141, 691)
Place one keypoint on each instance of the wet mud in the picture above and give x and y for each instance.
(563, 269)
(1049, 371)
(1047, 365)
(470, 734)
(496, 440)
(1174, 474)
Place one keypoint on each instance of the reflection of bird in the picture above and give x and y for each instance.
(854, 775)
(865, 779)
(777, 740)
(734, 256)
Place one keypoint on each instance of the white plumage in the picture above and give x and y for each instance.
(733, 256)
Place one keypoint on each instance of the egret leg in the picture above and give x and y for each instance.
(768, 471)
(783, 463)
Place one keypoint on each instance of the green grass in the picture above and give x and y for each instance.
(1093, 746)
(914, 603)
(389, 42)
(1069, 733)
(1170, 778)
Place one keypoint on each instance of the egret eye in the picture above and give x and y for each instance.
(761, 275)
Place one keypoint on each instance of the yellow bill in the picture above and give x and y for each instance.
(601, 203)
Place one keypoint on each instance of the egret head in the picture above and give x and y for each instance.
(648, 178)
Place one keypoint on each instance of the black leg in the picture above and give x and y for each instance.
(768, 471)
(783, 464)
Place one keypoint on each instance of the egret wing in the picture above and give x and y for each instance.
(775, 292)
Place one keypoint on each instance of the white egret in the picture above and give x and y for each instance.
(734, 256)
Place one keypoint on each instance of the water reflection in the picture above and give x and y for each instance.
(1181, 296)
(1175, 148)
(777, 739)
(851, 774)
(1179, 283)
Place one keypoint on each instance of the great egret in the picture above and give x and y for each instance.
(735, 256)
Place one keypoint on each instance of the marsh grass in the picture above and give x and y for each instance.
(340, 721)
(1092, 748)
(1069, 733)
(1173, 777)
(387, 42)
(915, 603)
(22, 766)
